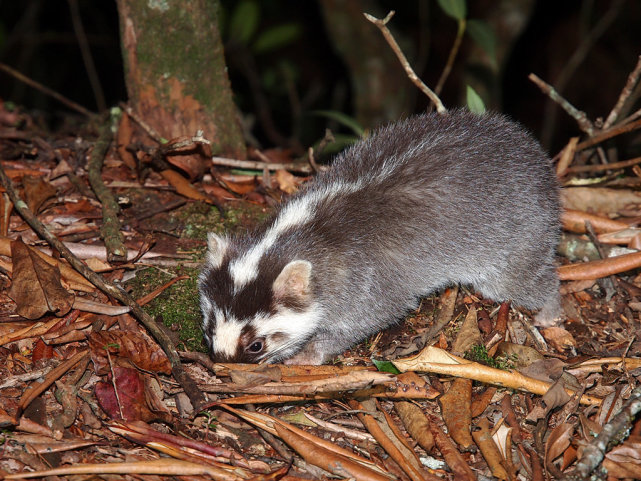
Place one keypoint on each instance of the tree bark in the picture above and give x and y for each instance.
(175, 71)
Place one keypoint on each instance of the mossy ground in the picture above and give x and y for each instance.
(178, 306)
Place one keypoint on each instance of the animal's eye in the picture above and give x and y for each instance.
(255, 347)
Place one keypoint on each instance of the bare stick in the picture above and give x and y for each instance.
(191, 389)
(608, 134)
(151, 132)
(601, 167)
(94, 79)
(633, 78)
(257, 165)
(582, 119)
(382, 26)
(46, 90)
(450, 59)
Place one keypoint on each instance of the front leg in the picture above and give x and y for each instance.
(310, 355)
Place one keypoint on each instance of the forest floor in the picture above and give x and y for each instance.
(474, 390)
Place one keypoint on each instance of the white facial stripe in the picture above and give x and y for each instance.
(228, 333)
(245, 269)
(296, 324)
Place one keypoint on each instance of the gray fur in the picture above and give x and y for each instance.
(418, 205)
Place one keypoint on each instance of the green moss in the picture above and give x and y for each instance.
(179, 306)
(479, 354)
(200, 219)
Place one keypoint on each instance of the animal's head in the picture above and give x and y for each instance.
(256, 307)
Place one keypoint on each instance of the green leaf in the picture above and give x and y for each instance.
(244, 21)
(474, 101)
(342, 119)
(385, 366)
(277, 37)
(457, 9)
(483, 36)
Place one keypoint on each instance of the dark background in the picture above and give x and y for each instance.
(37, 38)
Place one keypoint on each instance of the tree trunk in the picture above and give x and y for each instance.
(175, 71)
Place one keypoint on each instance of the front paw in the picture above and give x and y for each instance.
(309, 356)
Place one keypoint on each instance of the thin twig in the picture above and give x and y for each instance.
(608, 134)
(46, 90)
(600, 167)
(582, 119)
(450, 59)
(577, 57)
(257, 165)
(382, 26)
(151, 132)
(191, 389)
(94, 79)
(633, 78)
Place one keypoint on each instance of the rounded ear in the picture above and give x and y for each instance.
(216, 248)
(293, 282)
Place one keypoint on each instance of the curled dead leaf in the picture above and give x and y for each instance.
(35, 286)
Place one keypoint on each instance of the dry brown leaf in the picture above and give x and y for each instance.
(469, 334)
(286, 181)
(456, 410)
(558, 442)
(269, 423)
(385, 436)
(490, 451)
(416, 424)
(556, 395)
(625, 236)
(559, 338)
(183, 186)
(481, 401)
(134, 346)
(624, 461)
(433, 359)
(35, 286)
(519, 355)
(599, 199)
(459, 466)
(37, 191)
(76, 280)
(332, 462)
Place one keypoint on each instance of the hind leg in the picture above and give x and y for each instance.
(550, 314)
(539, 289)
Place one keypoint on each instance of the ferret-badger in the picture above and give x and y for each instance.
(418, 205)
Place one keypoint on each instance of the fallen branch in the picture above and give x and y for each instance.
(258, 165)
(612, 434)
(110, 230)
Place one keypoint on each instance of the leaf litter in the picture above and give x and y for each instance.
(472, 390)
